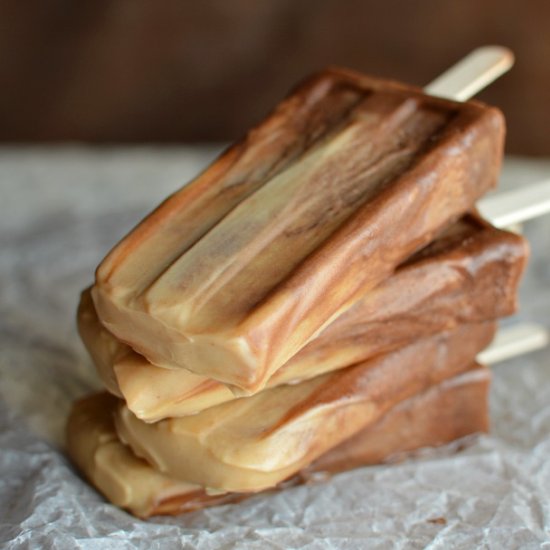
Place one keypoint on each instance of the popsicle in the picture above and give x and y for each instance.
(445, 412)
(469, 274)
(254, 443)
(350, 175)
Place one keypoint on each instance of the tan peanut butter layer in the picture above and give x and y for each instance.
(253, 443)
(469, 274)
(443, 413)
(235, 273)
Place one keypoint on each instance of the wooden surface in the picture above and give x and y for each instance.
(175, 70)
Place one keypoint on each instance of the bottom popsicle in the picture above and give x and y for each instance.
(445, 412)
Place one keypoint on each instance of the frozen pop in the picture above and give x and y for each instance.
(445, 412)
(254, 443)
(235, 273)
(468, 274)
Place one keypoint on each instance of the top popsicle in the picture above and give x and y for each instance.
(237, 271)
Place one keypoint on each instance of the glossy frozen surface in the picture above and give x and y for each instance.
(469, 274)
(445, 412)
(349, 175)
(256, 442)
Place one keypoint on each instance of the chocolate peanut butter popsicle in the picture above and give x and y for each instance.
(236, 272)
(445, 412)
(254, 443)
(469, 274)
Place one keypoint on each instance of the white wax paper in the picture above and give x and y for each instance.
(60, 211)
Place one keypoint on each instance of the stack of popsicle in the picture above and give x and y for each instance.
(314, 301)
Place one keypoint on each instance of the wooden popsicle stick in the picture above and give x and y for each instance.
(518, 205)
(513, 341)
(473, 73)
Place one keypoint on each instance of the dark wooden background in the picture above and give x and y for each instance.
(177, 70)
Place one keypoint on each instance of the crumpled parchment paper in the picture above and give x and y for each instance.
(60, 211)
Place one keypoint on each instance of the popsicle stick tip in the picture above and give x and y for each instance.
(513, 341)
(518, 205)
(472, 73)
(505, 54)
